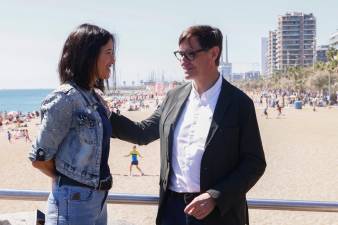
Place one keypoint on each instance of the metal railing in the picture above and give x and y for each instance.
(266, 204)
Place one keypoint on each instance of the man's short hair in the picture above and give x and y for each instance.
(207, 37)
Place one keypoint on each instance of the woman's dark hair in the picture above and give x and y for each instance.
(78, 61)
(207, 37)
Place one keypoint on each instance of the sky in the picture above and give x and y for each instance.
(32, 33)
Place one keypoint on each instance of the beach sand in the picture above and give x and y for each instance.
(302, 164)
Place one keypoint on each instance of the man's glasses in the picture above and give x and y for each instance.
(190, 55)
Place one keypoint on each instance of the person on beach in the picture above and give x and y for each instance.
(279, 109)
(211, 150)
(134, 153)
(72, 146)
(265, 112)
(314, 102)
(26, 134)
(9, 136)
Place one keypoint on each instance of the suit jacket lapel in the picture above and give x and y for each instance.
(221, 107)
(173, 116)
(177, 106)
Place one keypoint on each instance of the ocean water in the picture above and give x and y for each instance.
(22, 100)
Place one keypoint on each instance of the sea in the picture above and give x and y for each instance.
(22, 100)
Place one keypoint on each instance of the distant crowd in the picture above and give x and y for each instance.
(15, 124)
(285, 98)
(136, 101)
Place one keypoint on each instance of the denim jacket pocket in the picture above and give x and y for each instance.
(85, 119)
(86, 125)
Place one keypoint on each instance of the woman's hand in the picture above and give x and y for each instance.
(46, 167)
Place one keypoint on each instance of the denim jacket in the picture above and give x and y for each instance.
(71, 133)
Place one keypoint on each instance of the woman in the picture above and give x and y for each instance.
(72, 146)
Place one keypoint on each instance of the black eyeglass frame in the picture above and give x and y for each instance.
(190, 55)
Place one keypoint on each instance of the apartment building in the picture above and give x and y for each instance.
(296, 40)
(271, 52)
(333, 42)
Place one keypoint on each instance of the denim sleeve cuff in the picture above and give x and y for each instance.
(40, 154)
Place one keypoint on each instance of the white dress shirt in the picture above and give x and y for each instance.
(189, 138)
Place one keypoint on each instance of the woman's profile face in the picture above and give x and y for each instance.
(105, 60)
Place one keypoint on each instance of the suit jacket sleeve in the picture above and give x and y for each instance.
(140, 133)
(251, 166)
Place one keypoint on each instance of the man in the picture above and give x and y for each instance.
(134, 160)
(211, 151)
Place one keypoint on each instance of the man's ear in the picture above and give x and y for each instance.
(214, 52)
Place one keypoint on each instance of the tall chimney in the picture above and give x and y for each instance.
(226, 49)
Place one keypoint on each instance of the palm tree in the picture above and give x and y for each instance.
(331, 65)
(298, 76)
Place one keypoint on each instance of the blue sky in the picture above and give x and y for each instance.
(32, 33)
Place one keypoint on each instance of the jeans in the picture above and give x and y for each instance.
(74, 205)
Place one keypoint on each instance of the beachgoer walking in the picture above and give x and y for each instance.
(279, 109)
(9, 136)
(266, 112)
(26, 134)
(134, 153)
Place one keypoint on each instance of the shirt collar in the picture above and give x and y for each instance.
(208, 94)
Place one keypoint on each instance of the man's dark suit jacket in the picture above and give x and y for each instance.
(233, 160)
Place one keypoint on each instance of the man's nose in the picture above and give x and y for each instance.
(184, 60)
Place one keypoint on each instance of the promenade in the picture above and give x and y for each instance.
(301, 148)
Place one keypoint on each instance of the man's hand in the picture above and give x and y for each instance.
(201, 206)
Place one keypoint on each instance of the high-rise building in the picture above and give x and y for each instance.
(333, 42)
(296, 40)
(225, 68)
(238, 76)
(264, 56)
(321, 53)
(271, 53)
(251, 75)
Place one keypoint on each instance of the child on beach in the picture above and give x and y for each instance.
(134, 153)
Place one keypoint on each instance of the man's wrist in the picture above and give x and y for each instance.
(213, 193)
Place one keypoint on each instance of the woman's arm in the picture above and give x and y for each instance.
(56, 117)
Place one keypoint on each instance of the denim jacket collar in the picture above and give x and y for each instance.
(88, 96)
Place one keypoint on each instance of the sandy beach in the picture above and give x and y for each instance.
(301, 150)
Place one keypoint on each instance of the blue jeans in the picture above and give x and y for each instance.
(74, 205)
